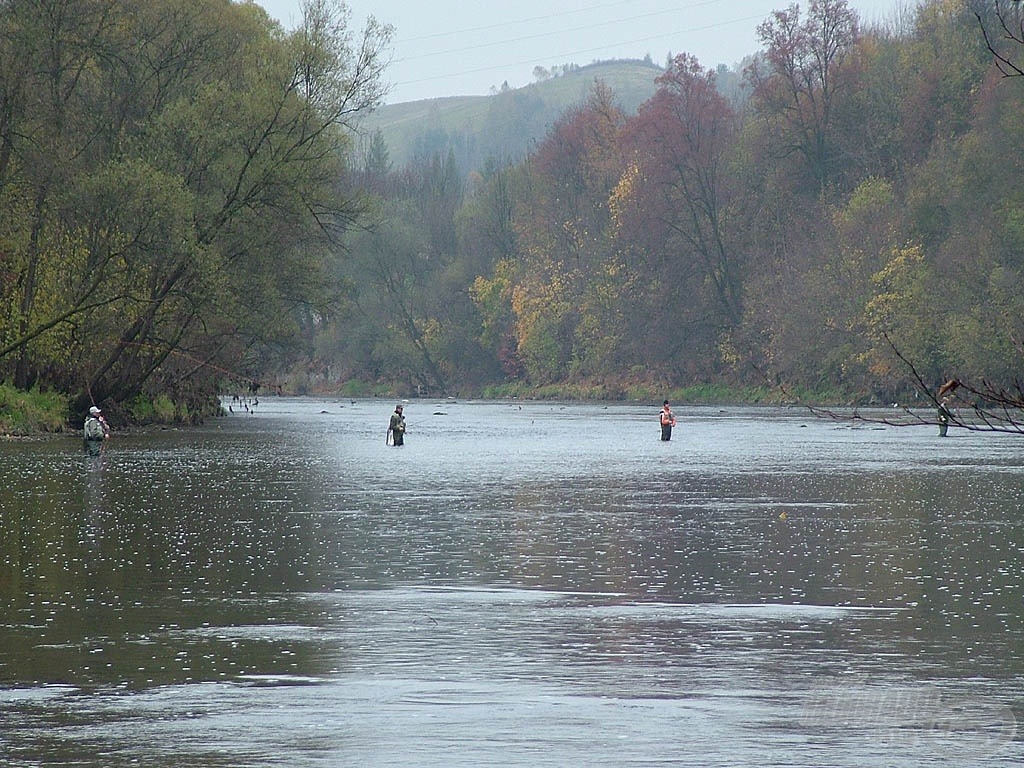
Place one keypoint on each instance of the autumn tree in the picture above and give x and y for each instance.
(677, 203)
(944, 62)
(807, 66)
(488, 247)
(560, 228)
(966, 210)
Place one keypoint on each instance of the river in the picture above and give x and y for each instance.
(520, 584)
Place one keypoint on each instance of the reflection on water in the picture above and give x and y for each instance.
(535, 584)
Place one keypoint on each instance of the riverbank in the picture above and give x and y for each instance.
(31, 412)
(26, 413)
(707, 394)
(594, 390)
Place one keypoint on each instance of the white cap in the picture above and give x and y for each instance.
(94, 411)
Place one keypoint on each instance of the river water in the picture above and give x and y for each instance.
(533, 584)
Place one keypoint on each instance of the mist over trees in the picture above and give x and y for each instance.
(188, 202)
(860, 191)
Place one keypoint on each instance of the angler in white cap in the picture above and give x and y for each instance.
(95, 431)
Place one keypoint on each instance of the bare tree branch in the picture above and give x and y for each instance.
(985, 407)
(1010, 27)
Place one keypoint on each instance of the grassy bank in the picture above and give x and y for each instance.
(32, 412)
(24, 413)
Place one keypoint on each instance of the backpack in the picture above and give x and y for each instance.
(93, 429)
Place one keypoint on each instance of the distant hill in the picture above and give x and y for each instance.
(504, 125)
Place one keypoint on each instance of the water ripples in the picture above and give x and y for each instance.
(521, 584)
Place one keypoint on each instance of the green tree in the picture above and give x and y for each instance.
(899, 316)
(404, 289)
(944, 62)
(488, 247)
(185, 168)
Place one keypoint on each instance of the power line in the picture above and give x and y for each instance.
(550, 16)
(551, 33)
(564, 56)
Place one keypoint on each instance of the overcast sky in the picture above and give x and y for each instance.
(466, 47)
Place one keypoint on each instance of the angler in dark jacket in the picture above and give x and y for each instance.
(396, 429)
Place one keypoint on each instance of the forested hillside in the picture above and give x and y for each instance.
(188, 205)
(859, 197)
(506, 124)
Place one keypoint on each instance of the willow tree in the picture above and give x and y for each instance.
(185, 170)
